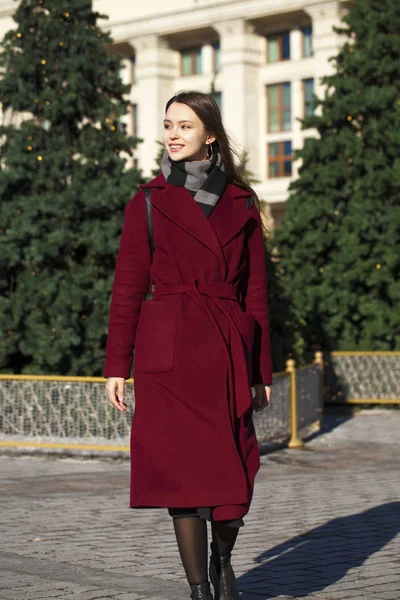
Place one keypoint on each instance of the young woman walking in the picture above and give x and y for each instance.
(200, 341)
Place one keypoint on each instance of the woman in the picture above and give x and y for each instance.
(201, 341)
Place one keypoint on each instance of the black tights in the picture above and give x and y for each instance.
(191, 536)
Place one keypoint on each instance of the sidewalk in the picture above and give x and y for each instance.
(324, 524)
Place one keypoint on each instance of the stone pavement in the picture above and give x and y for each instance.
(324, 524)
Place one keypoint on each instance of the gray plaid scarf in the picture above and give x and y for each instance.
(205, 180)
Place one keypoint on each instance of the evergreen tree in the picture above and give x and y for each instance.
(339, 244)
(63, 187)
(243, 169)
(158, 160)
(284, 343)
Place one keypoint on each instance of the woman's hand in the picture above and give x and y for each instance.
(262, 398)
(116, 390)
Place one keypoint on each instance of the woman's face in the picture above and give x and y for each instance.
(184, 134)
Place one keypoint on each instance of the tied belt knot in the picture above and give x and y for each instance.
(234, 350)
(193, 286)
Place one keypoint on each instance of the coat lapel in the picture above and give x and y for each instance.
(228, 217)
(230, 214)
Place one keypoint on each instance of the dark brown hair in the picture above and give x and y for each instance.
(209, 114)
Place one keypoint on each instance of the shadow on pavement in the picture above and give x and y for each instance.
(333, 417)
(321, 557)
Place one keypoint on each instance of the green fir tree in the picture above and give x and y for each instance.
(243, 169)
(158, 160)
(339, 244)
(63, 187)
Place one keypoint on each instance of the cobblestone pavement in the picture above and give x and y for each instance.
(324, 524)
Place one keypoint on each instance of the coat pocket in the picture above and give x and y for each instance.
(155, 343)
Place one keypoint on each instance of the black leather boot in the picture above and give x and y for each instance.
(222, 577)
(201, 591)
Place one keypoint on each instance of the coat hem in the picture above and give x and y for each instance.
(187, 503)
(220, 512)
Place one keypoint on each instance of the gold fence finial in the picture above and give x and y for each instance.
(319, 358)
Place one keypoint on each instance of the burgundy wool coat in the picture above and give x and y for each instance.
(198, 345)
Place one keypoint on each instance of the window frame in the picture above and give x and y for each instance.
(216, 46)
(134, 118)
(217, 96)
(305, 114)
(280, 159)
(279, 35)
(308, 140)
(281, 106)
(192, 50)
(133, 69)
(303, 44)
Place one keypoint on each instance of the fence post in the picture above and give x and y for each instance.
(295, 441)
(319, 360)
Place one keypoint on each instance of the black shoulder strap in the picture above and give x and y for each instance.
(249, 201)
(149, 221)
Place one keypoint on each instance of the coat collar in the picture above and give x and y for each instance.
(228, 217)
(160, 182)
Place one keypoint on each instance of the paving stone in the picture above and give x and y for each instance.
(324, 524)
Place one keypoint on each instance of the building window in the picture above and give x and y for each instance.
(278, 47)
(134, 110)
(191, 61)
(217, 56)
(307, 41)
(308, 141)
(133, 68)
(279, 107)
(308, 91)
(280, 159)
(218, 99)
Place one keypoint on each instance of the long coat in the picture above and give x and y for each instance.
(199, 344)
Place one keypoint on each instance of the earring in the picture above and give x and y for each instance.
(210, 151)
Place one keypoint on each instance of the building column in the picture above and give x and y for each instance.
(326, 42)
(295, 44)
(241, 57)
(156, 70)
(297, 113)
(297, 100)
(207, 59)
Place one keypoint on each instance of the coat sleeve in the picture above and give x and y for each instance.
(131, 284)
(256, 303)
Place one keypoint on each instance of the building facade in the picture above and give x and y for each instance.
(261, 59)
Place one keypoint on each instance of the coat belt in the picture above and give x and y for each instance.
(236, 360)
(213, 290)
